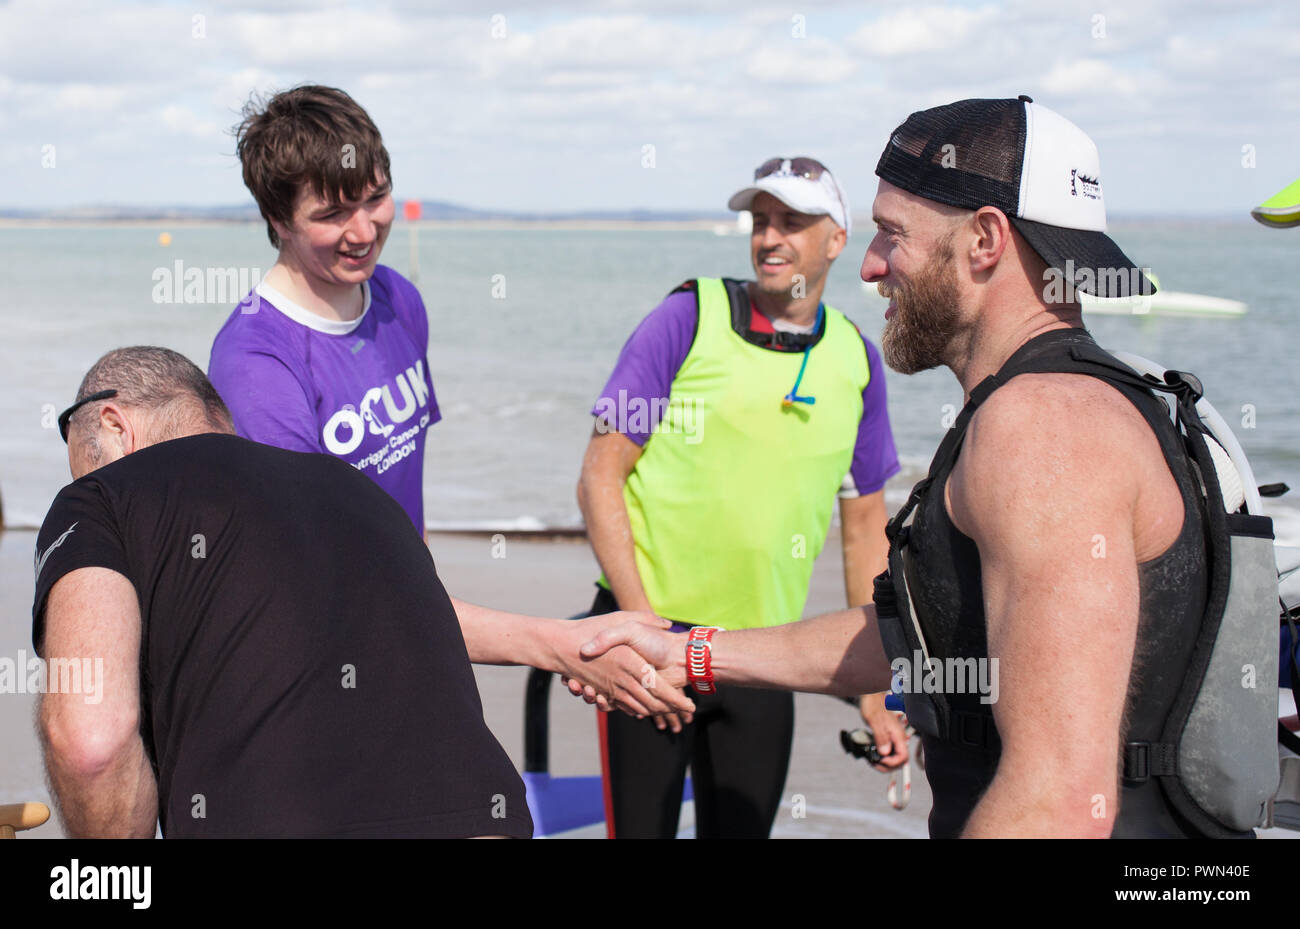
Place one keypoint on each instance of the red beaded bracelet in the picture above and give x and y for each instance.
(699, 659)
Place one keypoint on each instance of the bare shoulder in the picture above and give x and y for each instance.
(1067, 440)
(1077, 404)
(1074, 413)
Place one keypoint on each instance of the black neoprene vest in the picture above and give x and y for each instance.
(942, 568)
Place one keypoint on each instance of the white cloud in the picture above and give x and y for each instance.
(230, 90)
(354, 38)
(716, 86)
(1087, 77)
(572, 79)
(804, 61)
(617, 43)
(53, 43)
(920, 30)
(78, 97)
(183, 120)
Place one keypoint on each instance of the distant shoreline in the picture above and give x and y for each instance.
(664, 225)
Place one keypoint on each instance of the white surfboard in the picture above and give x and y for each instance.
(1163, 303)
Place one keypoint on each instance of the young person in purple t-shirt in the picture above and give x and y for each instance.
(328, 354)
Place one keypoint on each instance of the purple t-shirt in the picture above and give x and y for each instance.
(358, 390)
(654, 353)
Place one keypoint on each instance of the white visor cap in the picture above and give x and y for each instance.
(819, 197)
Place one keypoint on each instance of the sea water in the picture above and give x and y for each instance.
(525, 325)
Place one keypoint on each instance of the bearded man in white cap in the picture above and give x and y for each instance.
(736, 413)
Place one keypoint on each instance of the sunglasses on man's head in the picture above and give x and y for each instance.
(67, 414)
(809, 168)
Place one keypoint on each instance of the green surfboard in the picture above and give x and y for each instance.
(1281, 210)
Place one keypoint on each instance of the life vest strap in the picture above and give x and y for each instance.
(1143, 760)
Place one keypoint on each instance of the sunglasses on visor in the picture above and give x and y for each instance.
(809, 168)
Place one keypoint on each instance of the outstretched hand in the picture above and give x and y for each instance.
(604, 664)
(649, 637)
(664, 654)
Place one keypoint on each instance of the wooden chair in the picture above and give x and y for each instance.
(15, 817)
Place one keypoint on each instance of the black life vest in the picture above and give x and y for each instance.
(939, 611)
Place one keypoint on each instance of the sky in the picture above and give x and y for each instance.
(609, 105)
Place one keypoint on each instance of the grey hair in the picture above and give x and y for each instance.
(171, 388)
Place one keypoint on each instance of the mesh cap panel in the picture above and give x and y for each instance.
(982, 166)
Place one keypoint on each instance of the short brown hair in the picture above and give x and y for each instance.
(308, 135)
(161, 381)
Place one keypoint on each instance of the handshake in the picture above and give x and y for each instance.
(628, 661)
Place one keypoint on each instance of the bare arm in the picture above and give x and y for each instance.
(94, 756)
(1041, 478)
(866, 550)
(609, 460)
(496, 637)
(866, 554)
(836, 653)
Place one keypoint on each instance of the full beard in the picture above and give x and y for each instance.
(917, 337)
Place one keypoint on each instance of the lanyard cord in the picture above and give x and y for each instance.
(793, 396)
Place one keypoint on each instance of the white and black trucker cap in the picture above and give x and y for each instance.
(1031, 163)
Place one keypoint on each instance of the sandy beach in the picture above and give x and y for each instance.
(551, 576)
(841, 797)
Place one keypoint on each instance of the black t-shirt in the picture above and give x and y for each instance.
(302, 669)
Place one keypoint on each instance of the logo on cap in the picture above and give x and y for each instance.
(1090, 187)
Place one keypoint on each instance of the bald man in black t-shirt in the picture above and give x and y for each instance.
(279, 657)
